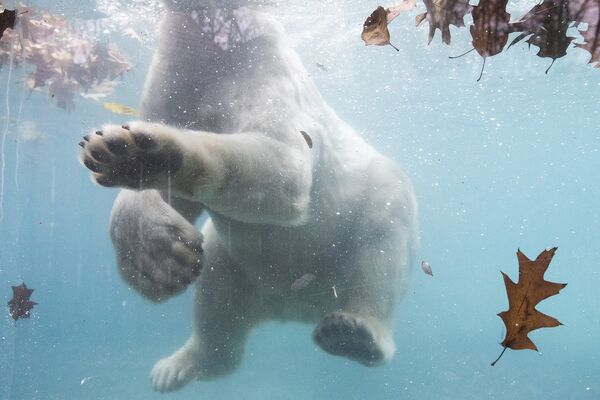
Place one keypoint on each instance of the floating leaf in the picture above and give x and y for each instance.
(588, 12)
(7, 20)
(441, 14)
(375, 30)
(490, 28)
(546, 24)
(64, 58)
(20, 305)
(119, 108)
(521, 316)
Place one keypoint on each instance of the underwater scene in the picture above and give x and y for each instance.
(339, 199)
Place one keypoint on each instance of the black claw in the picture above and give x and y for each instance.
(86, 138)
(126, 127)
(99, 133)
(82, 144)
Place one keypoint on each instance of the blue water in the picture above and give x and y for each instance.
(508, 162)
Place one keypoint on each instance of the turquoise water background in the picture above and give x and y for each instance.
(508, 162)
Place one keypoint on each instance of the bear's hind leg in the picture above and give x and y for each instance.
(374, 275)
(361, 328)
(224, 313)
(356, 337)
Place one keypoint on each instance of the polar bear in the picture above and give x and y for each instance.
(233, 126)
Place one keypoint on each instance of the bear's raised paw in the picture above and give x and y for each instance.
(134, 156)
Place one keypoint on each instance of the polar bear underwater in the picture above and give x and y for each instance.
(221, 133)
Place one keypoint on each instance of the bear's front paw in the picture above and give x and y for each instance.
(136, 156)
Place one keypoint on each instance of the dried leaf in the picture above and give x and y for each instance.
(588, 11)
(65, 59)
(394, 11)
(521, 316)
(490, 27)
(7, 20)
(20, 305)
(546, 24)
(441, 14)
(118, 108)
(375, 30)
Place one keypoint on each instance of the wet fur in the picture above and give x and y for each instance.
(226, 139)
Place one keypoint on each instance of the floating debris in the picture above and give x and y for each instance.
(303, 282)
(119, 108)
(334, 292)
(322, 67)
(7, 20)
(20, 305)
(426, 268)
(375, 30)
(58, 55)
(87, 379)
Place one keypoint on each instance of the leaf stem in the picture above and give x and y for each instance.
(554, 59)
(463, 54)
(496, 360)
(482, 67)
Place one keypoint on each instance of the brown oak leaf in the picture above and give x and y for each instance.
(375, 30)
(546, 24)
(7, 20)
(490, 28)
(521, 316)
(20, 305)
(441, 14)
(588, 11)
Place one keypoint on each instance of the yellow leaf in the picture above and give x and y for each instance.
(118, 108)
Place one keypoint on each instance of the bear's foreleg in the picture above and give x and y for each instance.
(225, 310)
(249, 177)
(159, 252)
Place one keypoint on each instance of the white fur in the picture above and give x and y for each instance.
(231, 116)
